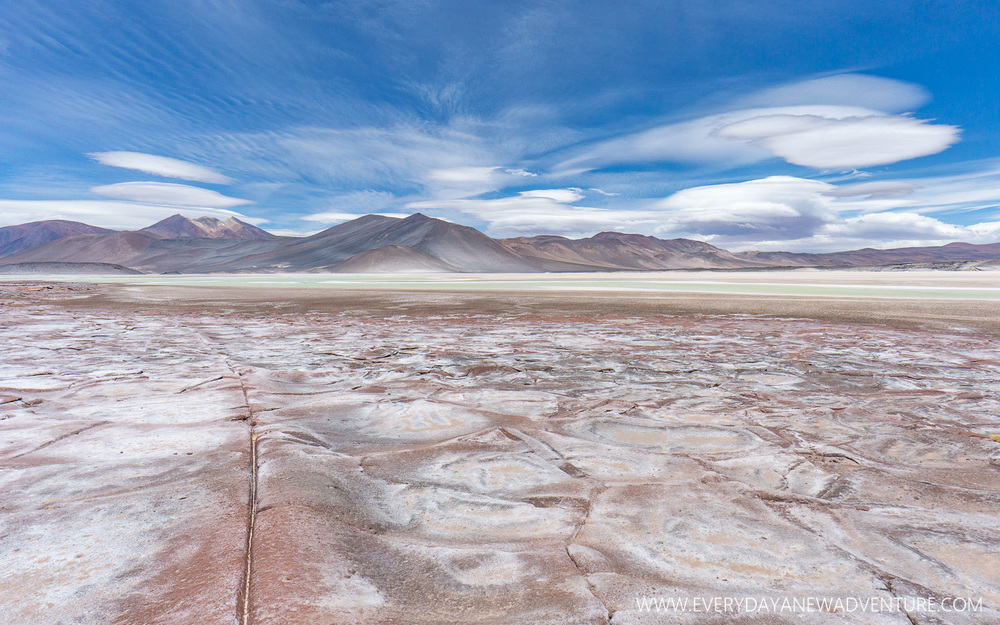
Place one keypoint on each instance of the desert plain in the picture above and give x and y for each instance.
(352, 450)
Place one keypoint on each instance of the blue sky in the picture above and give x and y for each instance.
(792, 125)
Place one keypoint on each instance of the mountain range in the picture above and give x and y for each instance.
(380, 244)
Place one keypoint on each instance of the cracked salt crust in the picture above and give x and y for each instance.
(470, 469)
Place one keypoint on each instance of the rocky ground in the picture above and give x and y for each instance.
(296, 464)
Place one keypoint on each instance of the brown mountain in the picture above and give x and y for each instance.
(617, 251)
(181, 227)
(150, 252)
(461, 247)
(116, 248)
(14, 239)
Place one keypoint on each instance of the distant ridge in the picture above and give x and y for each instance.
(617, 251)
(181, 227)
(115, 248)
(94, 269)
(945, 253)
(14, 239)
(379, 244)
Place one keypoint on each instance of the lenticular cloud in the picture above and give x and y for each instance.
(161, 166)
(170, 194)
(843, 143)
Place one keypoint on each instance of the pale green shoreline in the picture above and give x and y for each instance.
(839, 285)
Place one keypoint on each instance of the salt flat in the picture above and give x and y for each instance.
(499, 456)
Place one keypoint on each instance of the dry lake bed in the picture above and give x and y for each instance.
(811, 448)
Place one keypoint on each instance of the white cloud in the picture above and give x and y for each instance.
(881, 231)
(462, 182)
(822, 136)
(796, 214)
(773, 207)
(874, 190)
(778, 212)
(843, 143)
(779, 207)
(169, 194)
(105, 213)
(986, 232)
(862, 90)
(459, 182)
(561, 196)
(892, 226)
(521, 172)
(463, 174)
(288, 232)
(841, 122)
(161, 166)
(684, 142)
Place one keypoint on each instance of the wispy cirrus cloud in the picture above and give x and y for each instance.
(459, 158)
(161, 166)
(352, 205)
(336, 218)
(314, 104)
(399, 155)
(460, 182)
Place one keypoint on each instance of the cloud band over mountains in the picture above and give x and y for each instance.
(161, 166)
(677, 119)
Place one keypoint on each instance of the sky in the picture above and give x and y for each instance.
(795, 125)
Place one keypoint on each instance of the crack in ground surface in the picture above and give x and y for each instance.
(550, 454)
(594, 493)
(60, 438)
(244, 597)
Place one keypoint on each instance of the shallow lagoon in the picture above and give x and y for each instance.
(811, 283)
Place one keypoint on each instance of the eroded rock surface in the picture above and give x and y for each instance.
(485, 469)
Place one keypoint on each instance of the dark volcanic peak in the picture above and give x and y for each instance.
(14, 239)
(181, 227)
